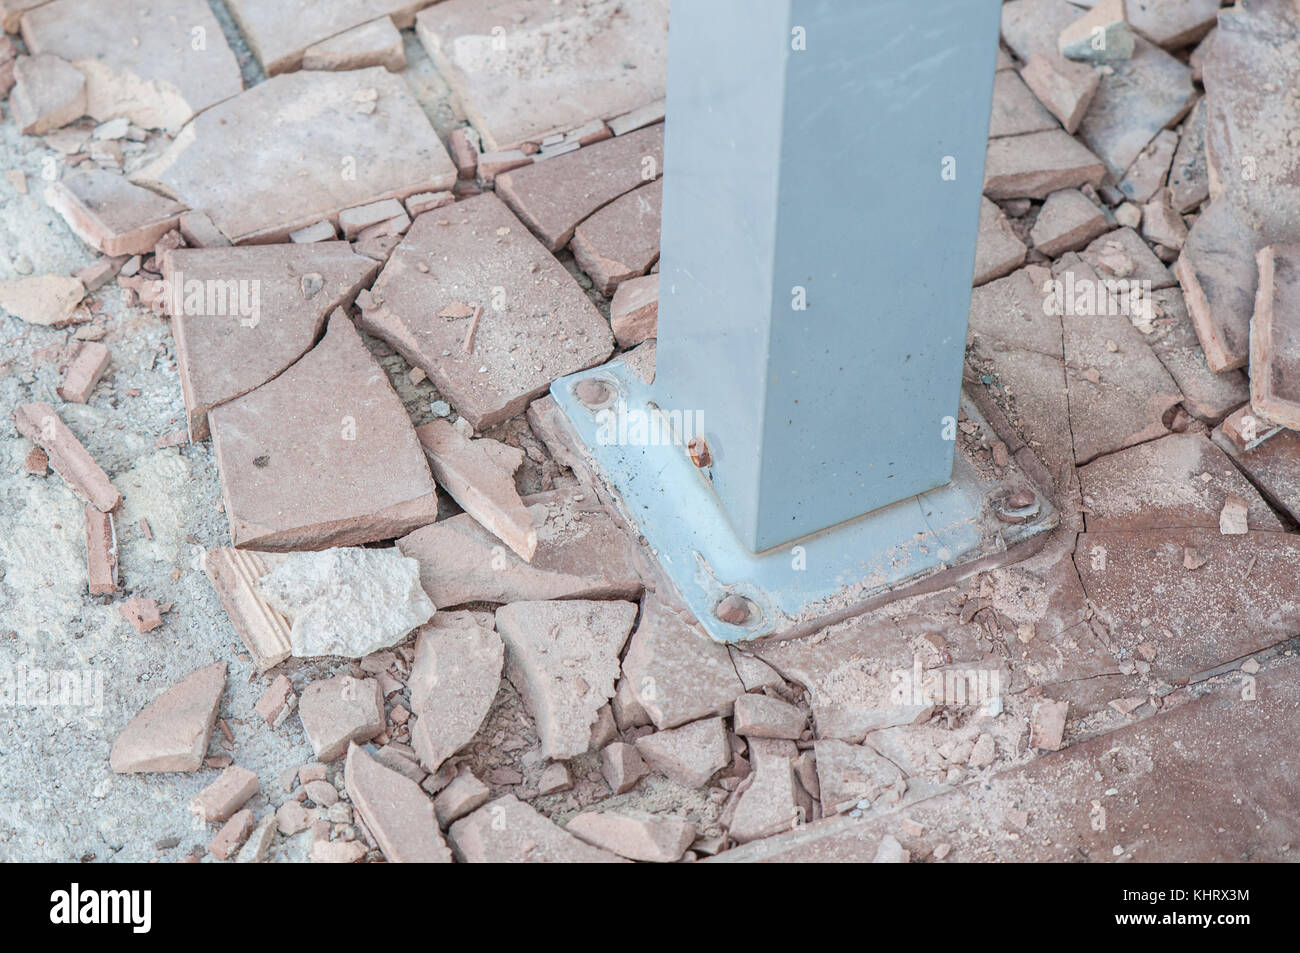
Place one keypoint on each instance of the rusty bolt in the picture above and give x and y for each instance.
(593, 393)
(699, 451)
(1021, 499)
(735, 610)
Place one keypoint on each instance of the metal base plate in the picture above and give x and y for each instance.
(629, 445)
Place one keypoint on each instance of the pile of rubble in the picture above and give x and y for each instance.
(366, 314)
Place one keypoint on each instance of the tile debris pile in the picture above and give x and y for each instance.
(477, 652)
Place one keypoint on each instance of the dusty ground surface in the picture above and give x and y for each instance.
(1170, 641)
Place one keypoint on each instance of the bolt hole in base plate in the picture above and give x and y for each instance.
(803, 585)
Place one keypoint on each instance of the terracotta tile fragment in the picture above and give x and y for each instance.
(1035, 165)
(141, 612)
(1275, 338)
(634, 310)
(226, 795)
(39, 423)
(508, 831)
(636, 835)
(232, 835)
(48, 92)
(336, 711)
(277, 702)
(376, 43)
(395, 810)
(234, 574)
(171, 733)
(101, 552)
(89, 360)
(111, 214)
(621, 240)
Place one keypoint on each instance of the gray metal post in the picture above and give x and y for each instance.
(823, 167)
(823, 171)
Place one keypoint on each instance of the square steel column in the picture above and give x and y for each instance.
(824, 164)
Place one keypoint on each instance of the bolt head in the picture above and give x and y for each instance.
(593, 393)
(735, 610)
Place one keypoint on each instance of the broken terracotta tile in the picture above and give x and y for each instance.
(171, 733)
(101, 552)
(689, 754)
(89, 359)
(326, 155)
(621, 766)
(226, 795)
(536, 323)
(634, 310)
(1176, 482)
(1016, 111)
(1161, 225)
(280, 33)
(453, 682)
(234, 574)
(761, 716)
(463, 795)
(163, 61)
(1219, 277)
(1147, 175)
(320, 232)
(1099, 36)
(142, 613)
(240, 316)
(395, 810)
(853, 776)
(768, 804)
(48, 92)
(581, 553)
(1038, 164)
(621, 240)
(337, 852)
(232, 835)
(353, 221)
(376, 43)
(1275, 338)
(345, 468)
(998, 251)
(636, 835)
(638, 118)
(112, 215)
(347, 602)
(39, 423)
(1172, 24)
(463, 150)
(1065, 89)
(553, 197)
(562, 658)
(508, 831)
(530, 84)
(336, 711)
(1238, 603)
(491, 164)
(1189, 175)
(423, 202)
(277, 702)
(1273, 464)
(48, 300)
(479, 475)
(1067, 221)
(1122, 254)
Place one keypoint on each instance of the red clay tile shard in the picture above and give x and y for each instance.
(1272, 460)
(636, 835)
(762, 716)
(536, 324)
(112, 215)
(326, 154)
(68, 458)
(336, 711)
(464, 794)
(1066, 89)
(553, 197)
(1219, 276)
(1275, 338)
(84, 371)
(508, 831)
(562, 658)
(689, 755)
(557, 67)
(767, 805)
(48, 92)
(395, 810)
(147, 66)
(634, 311)
(620, 241)
(234, 574)
(1146, 176)
(1016, 111)
(323, 455)
(226, 795)
(1068, 221)
(1172, 24)
(280, 32)
(479, 475)
(1189, 175)
(240, 316)
(377, 43)
(1047, 725)
(49, 300)
(171, 733)
(581, 553)
(101, 552)
(848, 774)
(142, 613)
(1099, 36)
(277, 702)
(232, 835)
(998, 251)
(463, 152)
(1035, 165)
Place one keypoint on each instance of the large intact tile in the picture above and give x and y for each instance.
(524, 69)
(1176, 482)
(1206, 394)
(280, 31)
(562, 657)
(534, 323)
(552, 197)
(454, 678)
(1240, 599)
(156, 62)
(240, 316)
(677, 672)
(581, 554)
(338, 140)
(171, 733)
(112, 215)
(323, 455)
(620, 241)
(507, 831)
